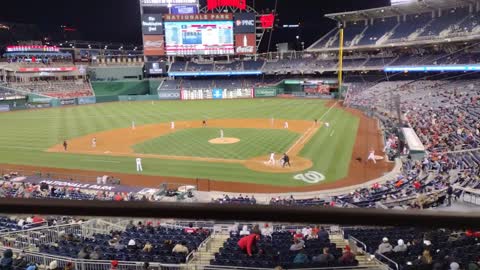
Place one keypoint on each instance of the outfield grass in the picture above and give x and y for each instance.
(25, 135)
(194, 142)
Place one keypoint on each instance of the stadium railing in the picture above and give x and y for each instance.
(252, 213)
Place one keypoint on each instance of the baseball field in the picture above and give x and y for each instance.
(322, 156)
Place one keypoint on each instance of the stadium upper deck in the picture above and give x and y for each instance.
(413, 23)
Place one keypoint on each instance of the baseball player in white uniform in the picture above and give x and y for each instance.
(271, 161)
(172, 125)
(133, 125)
(139, 164)
(221, 133)
(94, 142)
(371, 156)
(285, 125)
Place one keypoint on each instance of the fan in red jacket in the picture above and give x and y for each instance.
(247, 242)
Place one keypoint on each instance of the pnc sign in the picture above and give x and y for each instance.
(240, 4)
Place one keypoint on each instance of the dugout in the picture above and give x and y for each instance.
(416, 147)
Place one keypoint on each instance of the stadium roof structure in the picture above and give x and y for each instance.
(414, 7)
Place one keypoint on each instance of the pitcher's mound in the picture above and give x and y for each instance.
(260, 164)
(224, 141)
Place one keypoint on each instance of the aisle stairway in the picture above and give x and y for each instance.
(363, 260)
(207, 252)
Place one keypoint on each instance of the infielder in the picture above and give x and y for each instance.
(221, 134)
(133, 125)
(285, 125)
(172, 125)
(371, 156)
(139, 164)
(94, 142)
(271, 161)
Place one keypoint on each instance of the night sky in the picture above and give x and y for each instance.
(118, 20)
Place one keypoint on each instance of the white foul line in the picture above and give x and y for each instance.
(308, 130)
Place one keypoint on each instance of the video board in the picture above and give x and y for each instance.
(202, 37)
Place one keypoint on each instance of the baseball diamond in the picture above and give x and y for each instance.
(185, 153)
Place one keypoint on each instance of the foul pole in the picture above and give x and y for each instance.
(340, 60)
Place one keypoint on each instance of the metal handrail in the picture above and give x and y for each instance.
(81, 263)
(358, 242)
(193, 253)
(388, 259)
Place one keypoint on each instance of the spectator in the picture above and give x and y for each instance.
(315, 232)
(132, 243)
(323, 234)
(6, 262)
(69, 266)
(248, 243)
(426, 258)
(347, 257)
(300, 258)
(190, 229)
(474, 265)
(325, 257)
(83, 254)
(298, 244)
(244, 231)
(267, 230)
(298, 234)
(19, 262)
(54, 266)
(130, 225)
(401, 247)
(385, 246)
(148, 247)
(454, 266)
(114, 265)
(180, 248)
(96, 254)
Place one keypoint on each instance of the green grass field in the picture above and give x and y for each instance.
(194, 142)
(25, 135)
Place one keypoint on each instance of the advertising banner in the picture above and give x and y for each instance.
(240, 4)
(199, 17)
(152, 24)
(168, 2)
(265, 92)
(86, 100)
(47, 69)
(217, 93)
(156, 68)
(267, 20)
(39, 100)
(169, 94)
(4, 107)
(245, 44)
(245, 23)
(153, 45)
(68, 101)
(180, 10)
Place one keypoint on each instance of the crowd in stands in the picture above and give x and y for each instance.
(40, 59)
(57, 89)
(414, 249)
(268, 248)
(451, 23)
(141, 242)
(443, 113)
